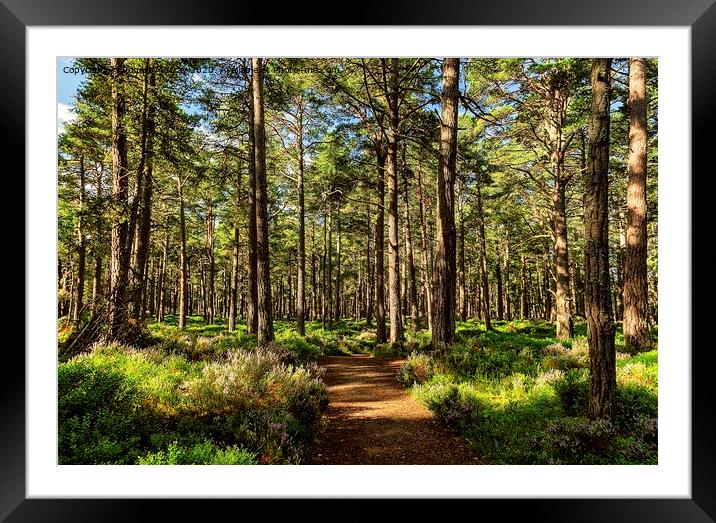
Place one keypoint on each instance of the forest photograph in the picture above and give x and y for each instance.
(331, 261)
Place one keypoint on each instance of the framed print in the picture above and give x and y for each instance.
(188, 69)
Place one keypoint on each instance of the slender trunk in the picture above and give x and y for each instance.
(338, 265)
(183, 264)
(251, 268)
(234, 281)
(329, 267)
(506, 275)
(301, 281)
(483, 256)
(369, 276)
(379, 246)
(396, 320)
(444, 263)
(636, 296)
(462, 294)
(427, 279)
(561, 262)
(81, 248)
(209, 309)
(411, 287)
(162, 277)
(119, 266)
(600, 324)
(498, 276)
(265, 320)
(142, 207)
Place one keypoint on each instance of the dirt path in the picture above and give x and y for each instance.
(373, 420)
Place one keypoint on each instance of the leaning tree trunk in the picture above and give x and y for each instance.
(636, 296)
(119, 266)
(265, 319)
(444, 270)
(600, 324)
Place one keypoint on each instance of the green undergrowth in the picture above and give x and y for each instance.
(520, 397)
(202, 396)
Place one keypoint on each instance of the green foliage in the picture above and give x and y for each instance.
(521, 399)
(99, 414)
(122, 405)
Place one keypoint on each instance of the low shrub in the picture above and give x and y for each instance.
(203, 453)
(417, 368)
(98, 413)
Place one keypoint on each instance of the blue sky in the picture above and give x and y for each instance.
(67, 83)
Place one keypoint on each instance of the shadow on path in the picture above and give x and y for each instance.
(373, 420)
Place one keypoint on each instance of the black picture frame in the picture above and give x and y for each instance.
(16, 15)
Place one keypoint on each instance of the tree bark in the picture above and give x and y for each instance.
(600, 325)
(234, 283)
(380, 334)
(265, 320)
(498, 276)
(339, 283)
(147, 186)
(301, 282)
(252, 324)
(427, 276)
(183, 263)
(396, 319)
(636, 296)
(81, 249)
(411, 288)
(462, 294)
(119, 266)
(444, 270)
(483, 256)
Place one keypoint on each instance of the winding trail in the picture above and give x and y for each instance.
(373, 420)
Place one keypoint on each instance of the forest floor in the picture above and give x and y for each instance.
(373, 420)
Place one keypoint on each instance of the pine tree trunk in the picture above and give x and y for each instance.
(561, 262)
(301, 282)
(81, 249)
(145, 208)
(636, 296)
(396, 320)
(265, 320)
(462, 294)
(252, 324)
(427, 277)
(411, 288)
(338, 265)
(444, 270)
(499, 290)
(119, 266)
(183, 263)
(600, 325)
(483, 257)
(380, 334)
(161, 305)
